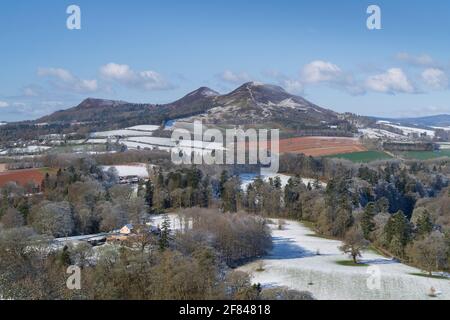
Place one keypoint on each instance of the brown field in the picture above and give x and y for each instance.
(22, 177)
(321, 146)
(315, 146)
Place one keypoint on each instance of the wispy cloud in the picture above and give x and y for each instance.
(142, 80)
(325, 72)
(64, 79)
(4, 104)
(234, 78)
(320, 71)
(423, 60)
(392, 81)
(435, 78)
(31, 91)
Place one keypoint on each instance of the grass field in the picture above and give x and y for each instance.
(428, 276)
(349, 263)
(363, 157)
(425, 155)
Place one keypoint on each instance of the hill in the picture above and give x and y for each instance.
(442, 120)
(250, 104)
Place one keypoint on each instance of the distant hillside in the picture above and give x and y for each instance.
(442, 120)
(250, 104)
(255, 103)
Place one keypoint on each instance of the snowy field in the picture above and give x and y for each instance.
(139, 170)
(371, 133)
(248, 178)
(152, 141)
(167, 144)
(142, 130)
(294, 262)
(444, 145)
(408, 130)
(442, 128)
(97, 141)
(25, 150)
(121, 133)
(176, 223)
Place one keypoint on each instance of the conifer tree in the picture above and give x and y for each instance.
(165, 233)
(367, 220)
(424, 224)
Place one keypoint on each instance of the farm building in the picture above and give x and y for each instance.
(128, 229)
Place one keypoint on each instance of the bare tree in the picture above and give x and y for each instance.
(12, 219)
(354, 243)
(430, 253)
(54, 219)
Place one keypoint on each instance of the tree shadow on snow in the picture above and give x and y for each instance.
(379, 261)
(288, 249)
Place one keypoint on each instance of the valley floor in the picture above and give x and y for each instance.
(300, 260)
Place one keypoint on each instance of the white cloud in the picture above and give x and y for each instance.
(435, 78)
(59, 73)
(420, 60)
(66, 80)
(119, 72)
(292, 86)
(29, 92)
(4, 104)
(320, 71)
(392, 81)
(235, 78)
(143, 80)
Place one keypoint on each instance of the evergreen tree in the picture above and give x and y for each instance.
(223, 179)
(64, 257)
(367, 220)
(149, 190)
(231, 195)
(344, 217)
(165, 234)
(424, 224)
(4, 203)
(397, 233)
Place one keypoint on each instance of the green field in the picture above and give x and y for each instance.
(363, 157)
(425, 155)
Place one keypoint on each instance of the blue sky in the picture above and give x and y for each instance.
(157, 51)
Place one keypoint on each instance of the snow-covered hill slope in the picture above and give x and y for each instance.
(294, 262)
